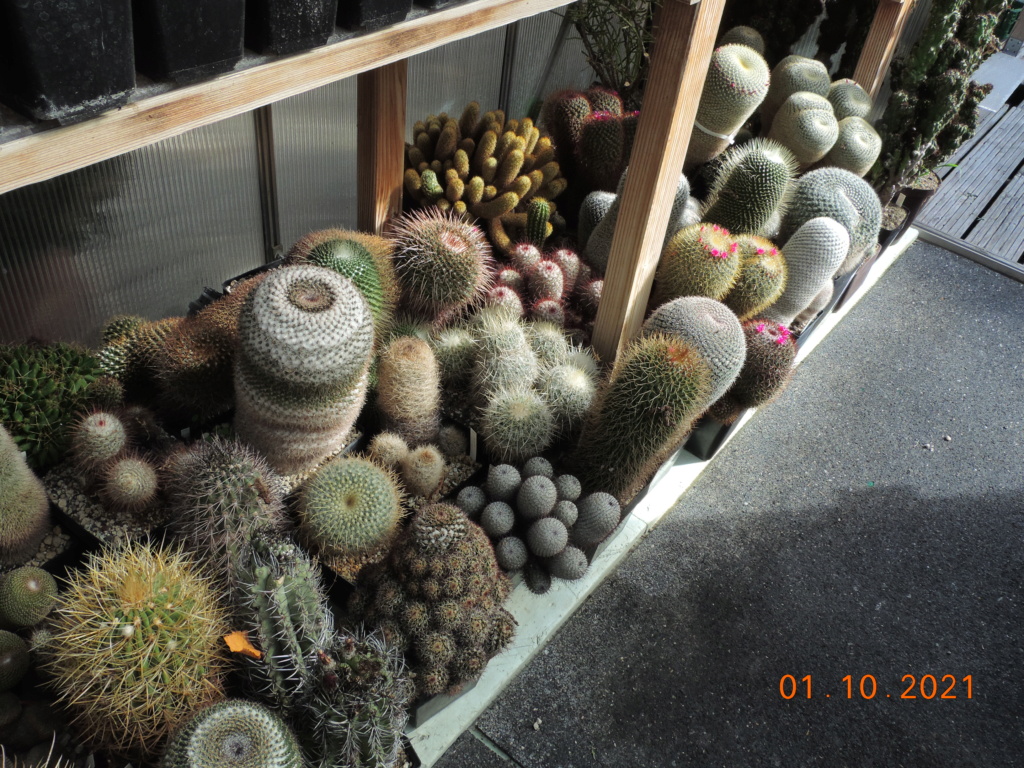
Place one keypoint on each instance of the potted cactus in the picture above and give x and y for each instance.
(68, 64)
(187, 41)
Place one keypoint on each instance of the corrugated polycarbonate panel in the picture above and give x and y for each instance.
(142, 233)
(315, 158)
(543, 66)
(447, 78)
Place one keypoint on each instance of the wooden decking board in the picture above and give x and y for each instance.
(989, 120)
(956, 205)
(1012, 269)
(1001, 231)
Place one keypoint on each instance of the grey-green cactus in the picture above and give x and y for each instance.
(848, 99)
(27, 595)
(792, 75)
(750, 187)
(806, 125)
(24, 507)
(517, 424)
(857, 147)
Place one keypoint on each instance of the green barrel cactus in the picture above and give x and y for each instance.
(24, 506)
(792, 74)
(27, 595)
(806, 125)
(129, 484)
(762, 277)
(857, 147)
(233, 734)
(702, 260)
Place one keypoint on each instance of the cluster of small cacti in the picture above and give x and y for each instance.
(486, 167)
(438, 596)
(422, 469)
(540, 522)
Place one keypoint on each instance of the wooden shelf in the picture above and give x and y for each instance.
(50, 153)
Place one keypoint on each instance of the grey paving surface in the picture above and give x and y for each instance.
(839, 534)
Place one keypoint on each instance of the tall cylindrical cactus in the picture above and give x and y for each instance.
(806, 125)
(409, 390)
(791, 75)
(24, 507)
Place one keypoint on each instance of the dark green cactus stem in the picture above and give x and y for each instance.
(537, 221)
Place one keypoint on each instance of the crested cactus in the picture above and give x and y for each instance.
(302, 372)
(806, 125)
(350, 510)
(857, 147)
(658, 388)
(762, 277)
(441, 572)
(710, 328)
(848, 99)
(27, 595)
(24, 507)
(136, 647)
(843, 197)
(813, 254)
(443, 264)
(736, 84)
(233, 733)
(792, 75)
(409, 390)
(750, 187)
(771, 350)
(702, 260)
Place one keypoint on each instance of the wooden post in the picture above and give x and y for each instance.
(890, 18)
(684, 37)
(381, 144)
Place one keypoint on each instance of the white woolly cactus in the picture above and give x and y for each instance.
(849, 99)
(792, 75)
(806, 125)
(857, 148)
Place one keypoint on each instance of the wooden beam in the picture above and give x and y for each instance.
(380, 144)
(886, 28)
(684, 37)
(51, 152)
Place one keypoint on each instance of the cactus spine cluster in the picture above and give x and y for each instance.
(792, 75)
(751, 187)
(136, 647)
(771, 350)
(24, 507)
(702, 260)
(409, 390)
(302, 371)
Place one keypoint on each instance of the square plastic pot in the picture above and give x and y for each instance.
(373, 14)
(187, 40)
(288, 26)
(65, 62)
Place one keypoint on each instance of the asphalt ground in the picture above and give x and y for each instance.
(869, 522)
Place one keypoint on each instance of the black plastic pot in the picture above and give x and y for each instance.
(288, 26)
(913, 201)
(373, 14)
(187, 40)
(67, 61)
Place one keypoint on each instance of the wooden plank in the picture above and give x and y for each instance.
(380, 144)
(1001, 230)
(684, 37)
(887, 26)
(965, 194)
(988, 121)
(50, 153)
(958, 246)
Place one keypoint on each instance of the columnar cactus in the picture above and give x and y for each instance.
(24, 507)
(736, 84)
(792, 75)
(702, 260)
(750, 187)
(857, 147)
(761, 280)
(301, 376)
(813, 254)
(771, 350)
(848, 99)
(806, 125)
(409, 390)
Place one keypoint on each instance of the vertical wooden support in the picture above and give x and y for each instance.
(684, 38)
(890, 18)
(381, 144)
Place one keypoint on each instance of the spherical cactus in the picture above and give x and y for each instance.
(565, 511)
(857, 147)
(569, 564)
(702, 260)
(568, 487)
(454, 349)
(472, 501)
(711, 329)
(536, 497)
(136, 647)
(813, 254)
(350, 509)
(548, 311)
(761, 280)
(843, 197)
(792, 75)
(742, 35)
(642, 412)
(569, 392)
(409, 390)
(848, 99)
(736, 84)
(27, 595)
(497, 519)
(524, 257)
(505, 299)
(599, 515)
(771, 350)
(443, 263)
(96, 439)
(538, 465)
(547, 537)
(14, 659)
(422, 471)
(129, 484)
(387, 449)
(546, 281)
(517, 424)
(511, 553)
(24, 507)
(751, 185)
(233, 734)
(503, 482)
(453, 440)
(806, 125)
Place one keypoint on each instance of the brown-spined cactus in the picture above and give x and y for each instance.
(409, 390)
(736, 84)
(806, 125)
(771, 350)
(483, 167)
(302, 371)
(702, 260)
(438, 596)
(24, 507)
(422, 471)
(761, 279)
(792, 75)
